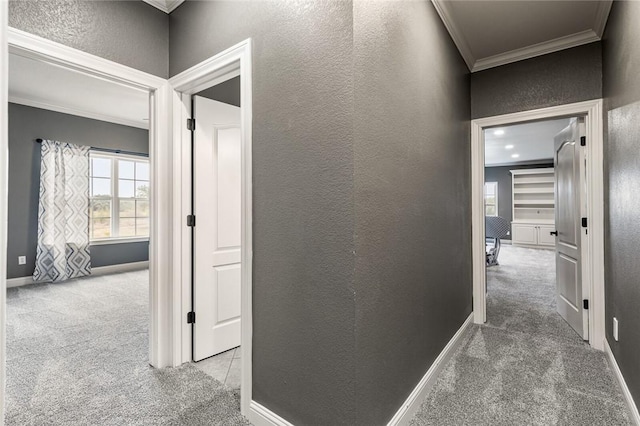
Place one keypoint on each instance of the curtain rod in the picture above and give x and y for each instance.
(115, 151)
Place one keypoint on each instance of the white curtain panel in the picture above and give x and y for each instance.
(63, 213)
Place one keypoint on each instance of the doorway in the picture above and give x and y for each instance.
(534, 199)
(160, 336)
(220, 270)
(217, 244)
(99, 317)
(592, 269)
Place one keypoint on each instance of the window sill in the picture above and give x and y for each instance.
(109, 241)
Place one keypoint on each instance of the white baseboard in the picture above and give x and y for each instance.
(18, 282)
(406, 412)
(259, 415)
(100, 270)
(623, 384)
(123, 267)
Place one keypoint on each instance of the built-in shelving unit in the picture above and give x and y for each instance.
(533, 207)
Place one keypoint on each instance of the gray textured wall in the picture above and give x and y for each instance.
(502, 175)
(26, 124)
(227, 92)
(412, 199)
(621, 59)
(132, 33)
(568, 76)
(303, 296)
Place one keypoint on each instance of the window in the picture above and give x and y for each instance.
(491, 198)
(119, 197)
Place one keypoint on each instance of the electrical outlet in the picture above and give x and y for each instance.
(615, 328)
(22, 260)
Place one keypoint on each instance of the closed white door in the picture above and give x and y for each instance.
(217, 234)
(569, 167)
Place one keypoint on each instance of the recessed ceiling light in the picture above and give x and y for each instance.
(498, 132)
(515, 156)
(508, 147)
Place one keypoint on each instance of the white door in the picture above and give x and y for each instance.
(569, 168)
(217, 239)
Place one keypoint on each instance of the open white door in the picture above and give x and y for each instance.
(217, 236)
(569, 209)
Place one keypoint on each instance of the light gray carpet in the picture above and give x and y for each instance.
(77, 355)
(526, 366)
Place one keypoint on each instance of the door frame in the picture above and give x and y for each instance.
(217, 69)
(160, 256)
(4, 190)
(593, 264)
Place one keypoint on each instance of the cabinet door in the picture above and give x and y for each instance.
(524, 234)
(544, 235)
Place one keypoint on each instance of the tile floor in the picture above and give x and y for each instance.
(224, 367)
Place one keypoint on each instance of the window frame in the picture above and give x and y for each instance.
(495, 204)
(115, 199)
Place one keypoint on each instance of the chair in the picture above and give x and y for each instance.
(496, 227)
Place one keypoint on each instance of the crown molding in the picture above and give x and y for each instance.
(460, 41)
(602, 15)
(167, 6)
(78, 112)
(172, 4)
(534, 50)
(550, 46)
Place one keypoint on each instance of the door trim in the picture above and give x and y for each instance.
(221, 67)
(4, 190)
(593, 264)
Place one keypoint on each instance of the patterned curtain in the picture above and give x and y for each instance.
(63, 213)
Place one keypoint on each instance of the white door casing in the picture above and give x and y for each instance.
(161, 259)
(217, 236)
(4, 189)
(569, 166)
(593, 249)
(232, 62)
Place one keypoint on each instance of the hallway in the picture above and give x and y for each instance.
(526, 365)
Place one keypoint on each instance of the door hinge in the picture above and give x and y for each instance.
(191, 220)
(583, 141)
(191, 317)
(191, 124)
(584, 222)
(585, 303)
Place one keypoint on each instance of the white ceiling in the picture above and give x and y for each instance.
(493, 33)
(51, 87)
(530, 141)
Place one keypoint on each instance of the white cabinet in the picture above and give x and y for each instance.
(532, 235)
(524, 234)
(533, 198)
(544, 235)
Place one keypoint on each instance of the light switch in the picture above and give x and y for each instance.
(22, 260)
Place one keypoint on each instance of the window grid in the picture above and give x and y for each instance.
(491, 198)
(137, 214)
